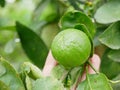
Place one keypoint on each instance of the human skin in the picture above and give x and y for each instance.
(51, 62)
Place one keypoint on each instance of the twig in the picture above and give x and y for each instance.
(92, 67)
(114, 82)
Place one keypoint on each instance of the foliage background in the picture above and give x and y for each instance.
(42, 17)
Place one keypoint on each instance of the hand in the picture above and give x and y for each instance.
(51, 62)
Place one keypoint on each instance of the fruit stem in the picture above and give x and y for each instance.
(92, 66)
(78, 78)
(67, 80)
(114, 82)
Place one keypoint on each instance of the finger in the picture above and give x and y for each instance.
(95, 61)
(49, 64)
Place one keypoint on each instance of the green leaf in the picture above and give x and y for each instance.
(31, 70)
(2, 3)
(29, 73)
(111, 36)
(99, 31)
(48, 33)
(28, 83)
(117, 85)
(32, 45)
(67, 81)
(70, 19)
(110, 68)
(3, 86)
(83, 28)
(46, 11)
(95, 82)
(114, 55)
(9, 76)
(109, 12)
(59, 72)
(47, 83)
(75, 74)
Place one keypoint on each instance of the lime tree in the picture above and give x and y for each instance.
(71, 48)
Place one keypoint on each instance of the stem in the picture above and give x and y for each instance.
(92, 66)
(67, 80)
(62, 2)
(74, 4)
(78, 78)
(114, 82)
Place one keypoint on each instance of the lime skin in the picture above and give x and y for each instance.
(71, 48)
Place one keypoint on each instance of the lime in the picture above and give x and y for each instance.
(71, 48)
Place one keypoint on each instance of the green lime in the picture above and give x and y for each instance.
(71, 48)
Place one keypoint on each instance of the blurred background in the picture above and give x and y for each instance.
(29, 13)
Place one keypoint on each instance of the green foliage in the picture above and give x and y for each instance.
(29, 73)
(38, 22)
(95, 82)
(2, 3)
(58, 71)
(3, 86)
(83, 28)
(46, 11)
(108, 65)
(31, 70)
(109, 12)
(116, 86)
(70, 19)
(114, 55)
(9, 76)
(47, 83)
(111, 36)
(8, 28)
(32, 44)
(48, 33)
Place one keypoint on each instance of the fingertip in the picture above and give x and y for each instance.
(95, 57)
(95, 61)
(49, 64)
